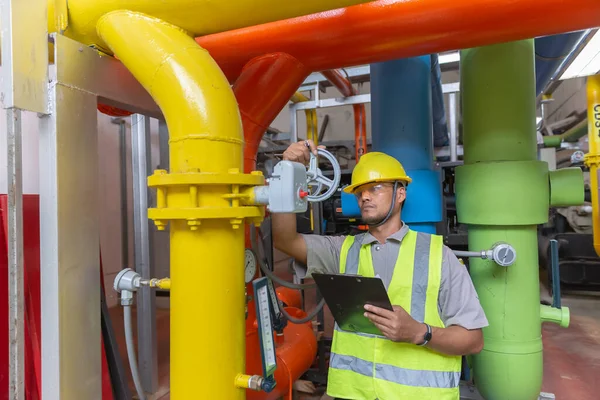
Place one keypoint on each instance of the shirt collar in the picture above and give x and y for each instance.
(396, 236)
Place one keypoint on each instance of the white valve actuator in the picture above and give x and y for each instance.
(287, 190)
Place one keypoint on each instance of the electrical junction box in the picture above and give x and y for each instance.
(287, 189)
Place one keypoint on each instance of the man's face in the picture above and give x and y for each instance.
(375, 199)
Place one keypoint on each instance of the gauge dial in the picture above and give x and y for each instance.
(249, 265)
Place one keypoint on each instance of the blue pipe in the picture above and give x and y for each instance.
(550, 52)
(401, 112)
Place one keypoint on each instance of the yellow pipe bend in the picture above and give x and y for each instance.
(592, 159)
(207, 274)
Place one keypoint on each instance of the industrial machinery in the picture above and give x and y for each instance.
(216, 74)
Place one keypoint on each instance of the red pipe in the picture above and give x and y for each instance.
(262, 90)
(391, 29)
(360, 123)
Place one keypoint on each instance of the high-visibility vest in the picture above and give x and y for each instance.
(368, 367)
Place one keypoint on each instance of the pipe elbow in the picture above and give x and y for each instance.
(184, 80)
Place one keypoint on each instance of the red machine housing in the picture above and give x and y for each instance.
(296, 350)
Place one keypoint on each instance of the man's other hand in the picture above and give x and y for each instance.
(396, 325)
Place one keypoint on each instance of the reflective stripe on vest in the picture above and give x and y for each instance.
(369, 366)
(402, 376)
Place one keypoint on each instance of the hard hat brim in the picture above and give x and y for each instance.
(350, 188)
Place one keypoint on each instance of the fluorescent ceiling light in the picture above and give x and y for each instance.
(447, 58)
(587, 62)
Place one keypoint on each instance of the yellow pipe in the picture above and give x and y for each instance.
(311, 118)
(207, 274)
(77, 18)
(164, 283)
(312, 126)
(592, 159)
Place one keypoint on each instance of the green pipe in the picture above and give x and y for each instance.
(503, 192)
(572, 135)
(560, 316)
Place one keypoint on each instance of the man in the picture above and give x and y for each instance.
(437, 316)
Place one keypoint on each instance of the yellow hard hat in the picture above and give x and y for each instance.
(377, 167)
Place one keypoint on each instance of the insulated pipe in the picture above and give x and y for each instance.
(391, 29)
(360, 116)
(402, 127)
(206, 244)
(592, 159)
(77, 18)
(572, 135)
(265, 86)
(502, 194)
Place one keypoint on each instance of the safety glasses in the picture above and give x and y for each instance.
(373, 189)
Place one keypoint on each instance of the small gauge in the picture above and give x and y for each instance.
(249, 265)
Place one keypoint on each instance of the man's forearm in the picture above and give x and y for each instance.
(284, 228)
(453, 340)
(286, 237)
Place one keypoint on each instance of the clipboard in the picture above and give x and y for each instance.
(346, 296)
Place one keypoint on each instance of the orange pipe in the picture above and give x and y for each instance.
(360, 123)
(391, 29)
(263, 88)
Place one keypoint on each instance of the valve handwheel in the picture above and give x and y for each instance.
(315, 177)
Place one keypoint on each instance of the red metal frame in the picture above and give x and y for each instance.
(31, 254)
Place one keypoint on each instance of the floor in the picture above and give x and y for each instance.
(571, 356)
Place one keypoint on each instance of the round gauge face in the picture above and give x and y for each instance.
(249, 265)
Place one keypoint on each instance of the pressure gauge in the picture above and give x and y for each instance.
(249, 265)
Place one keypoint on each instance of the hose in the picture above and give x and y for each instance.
(310, 316)
(131, 352)
(262, 262)
(273, 277)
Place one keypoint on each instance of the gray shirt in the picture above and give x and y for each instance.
(458, 303)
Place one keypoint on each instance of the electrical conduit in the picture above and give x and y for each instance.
(205, 216)
(592, 159)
